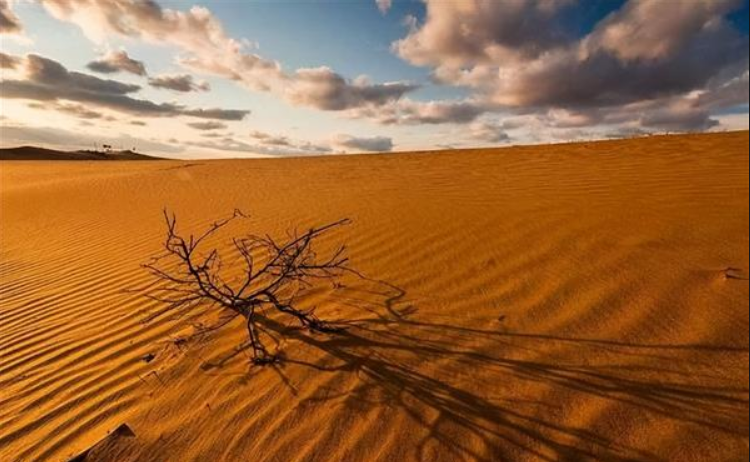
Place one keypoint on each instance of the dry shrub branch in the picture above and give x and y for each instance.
(274, 273)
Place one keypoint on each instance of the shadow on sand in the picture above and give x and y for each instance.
(412, 365)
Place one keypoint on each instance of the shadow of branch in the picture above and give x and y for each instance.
(389, 350)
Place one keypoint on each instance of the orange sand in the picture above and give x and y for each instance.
(550, 303)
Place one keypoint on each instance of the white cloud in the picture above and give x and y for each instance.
(201, 35)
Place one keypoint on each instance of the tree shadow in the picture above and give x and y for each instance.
(388, 349)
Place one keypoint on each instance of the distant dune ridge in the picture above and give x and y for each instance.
(579, 302)
(37, 153)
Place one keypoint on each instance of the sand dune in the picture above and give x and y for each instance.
(575, 302)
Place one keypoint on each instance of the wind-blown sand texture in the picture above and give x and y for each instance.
(572, 302)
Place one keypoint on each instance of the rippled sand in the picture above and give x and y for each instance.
(573, 302)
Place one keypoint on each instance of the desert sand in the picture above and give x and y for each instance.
(548, 303)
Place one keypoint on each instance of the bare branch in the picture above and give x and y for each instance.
(274, 273)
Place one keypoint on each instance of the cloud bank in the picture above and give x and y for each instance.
(658, 64)
(48, 80)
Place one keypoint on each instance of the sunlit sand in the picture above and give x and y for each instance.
(566, 302)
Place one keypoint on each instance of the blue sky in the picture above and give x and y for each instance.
(324, 77)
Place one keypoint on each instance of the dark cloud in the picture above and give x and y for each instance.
(9, 61)
(324, 89)
(48, 80)
(726, 92)
(48, 72)
(441, 112)
(369, 144)
(9, 22)
(602, 79)
(648, 49)
(117, 61)
(671, 119)
(77, 110)
(216, 114)
(647, 54)
(183, 83)
(209, 125)
(214, 135)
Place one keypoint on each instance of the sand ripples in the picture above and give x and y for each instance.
(564, 303)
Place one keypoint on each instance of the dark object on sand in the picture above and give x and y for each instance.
(274, 273)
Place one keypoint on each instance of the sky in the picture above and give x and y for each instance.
(272, 78)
